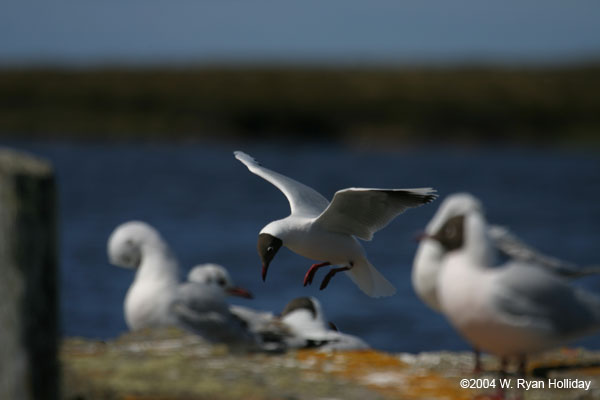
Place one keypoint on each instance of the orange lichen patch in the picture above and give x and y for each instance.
(355, 358)
(591, 370)
(349, 364)
(384, 373)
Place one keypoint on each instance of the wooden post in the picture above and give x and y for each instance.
(29, 335)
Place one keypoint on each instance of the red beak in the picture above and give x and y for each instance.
(265, 267)
(240, 292)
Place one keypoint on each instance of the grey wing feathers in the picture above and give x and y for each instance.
(511, 246)
(534, 297)
(362, 212)
(303, 199)
(198, 309)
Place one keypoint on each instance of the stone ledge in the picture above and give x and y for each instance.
(170, 364)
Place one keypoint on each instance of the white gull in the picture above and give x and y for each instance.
(306, 320)
(428, 258)
(510, 310)
(156, 297)
(328, 232)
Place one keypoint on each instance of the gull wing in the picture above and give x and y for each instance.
(532, 297)
(510, 245)
(203, 310)
(362, 212)
(303, 199)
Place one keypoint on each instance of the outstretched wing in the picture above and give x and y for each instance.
(362, 212)
(303, 199)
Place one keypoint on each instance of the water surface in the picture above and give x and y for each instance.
(210, 208)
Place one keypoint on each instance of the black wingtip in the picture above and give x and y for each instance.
(429, 198)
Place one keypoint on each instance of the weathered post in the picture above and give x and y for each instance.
(28, 278)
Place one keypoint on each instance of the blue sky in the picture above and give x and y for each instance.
(326, 31)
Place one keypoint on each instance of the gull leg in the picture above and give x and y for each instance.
(310, 274)
(503, 366)
(500, 393)
(522, 365)
(477, 369)
(330, 275)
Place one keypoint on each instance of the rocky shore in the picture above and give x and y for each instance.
(170, 364)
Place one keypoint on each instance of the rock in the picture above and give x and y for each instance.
(171, 364)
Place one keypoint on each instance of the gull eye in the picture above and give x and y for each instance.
(221, 282)
(269, 249)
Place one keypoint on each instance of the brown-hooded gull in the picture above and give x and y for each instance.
(329, 232)
(510, 310)
(304, 316)
(428, 258)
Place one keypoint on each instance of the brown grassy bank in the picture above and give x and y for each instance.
(560, 105)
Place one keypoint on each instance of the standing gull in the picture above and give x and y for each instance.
(510, 310)
(428, 258)
(328, 232)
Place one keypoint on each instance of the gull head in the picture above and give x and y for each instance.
(454, 205)
(214, 275)
(307, 304)
(452, 234)
(267, 247)
(467, 233)
(304, 316)
(127, 242)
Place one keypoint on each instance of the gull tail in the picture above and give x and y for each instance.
(369, 280)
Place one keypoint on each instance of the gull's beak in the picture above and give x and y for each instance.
(265, 267)
(239, 292)
(421, 236)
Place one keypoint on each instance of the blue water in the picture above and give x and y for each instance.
(210, 208)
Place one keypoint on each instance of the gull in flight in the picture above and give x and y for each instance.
(510, 310)
(328, 231)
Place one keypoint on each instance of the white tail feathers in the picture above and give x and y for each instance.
(370, 281)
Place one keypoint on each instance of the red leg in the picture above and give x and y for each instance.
(330, 275)
(310, 274)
